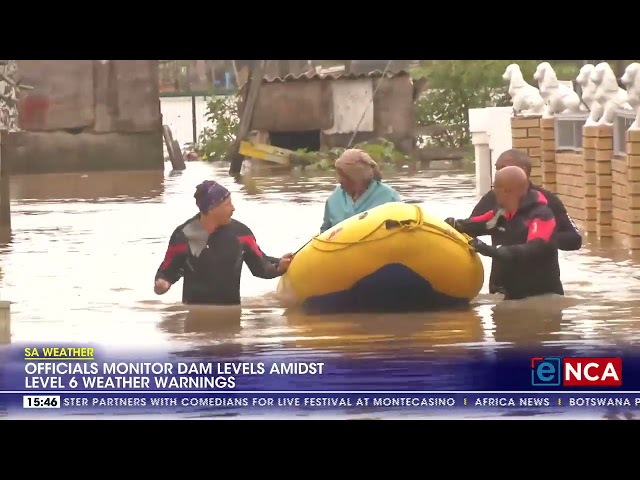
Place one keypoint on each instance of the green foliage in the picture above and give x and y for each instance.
(216, 139)
(383, 152)
(566, 71)
(455, 86)
(305, 159)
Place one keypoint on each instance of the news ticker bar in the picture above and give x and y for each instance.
(172, 401)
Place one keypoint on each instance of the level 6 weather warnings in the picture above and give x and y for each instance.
(77, 368)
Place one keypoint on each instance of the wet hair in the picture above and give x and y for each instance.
(517, 158)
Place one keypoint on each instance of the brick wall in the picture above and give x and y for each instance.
(589, 136)
(548, 157)
(600, 191)
(603, 147)
(632, 225)
(619, 199)
(570, 185)
(526, 132)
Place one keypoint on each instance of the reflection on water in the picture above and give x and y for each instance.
(5, 324)
(133, 186)
(374, 334)
(84, 249)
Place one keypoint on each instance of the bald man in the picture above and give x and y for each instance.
(528, 257)
(566, 236)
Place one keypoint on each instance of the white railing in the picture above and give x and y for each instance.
(185, 116)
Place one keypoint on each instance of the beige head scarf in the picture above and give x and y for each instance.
(358, 166)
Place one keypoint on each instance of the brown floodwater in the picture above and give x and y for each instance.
(80, 260)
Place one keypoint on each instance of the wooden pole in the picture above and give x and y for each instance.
(235, 73)
(194, 120)
(255, 80)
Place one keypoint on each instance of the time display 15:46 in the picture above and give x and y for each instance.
(40, 401)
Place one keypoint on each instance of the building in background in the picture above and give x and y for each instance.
(87, 115)
(318, 110)
(203, 76)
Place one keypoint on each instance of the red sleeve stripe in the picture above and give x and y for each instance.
(172, 251)
(541, 198)
(485, 217)
(541, 229)
(250, 241)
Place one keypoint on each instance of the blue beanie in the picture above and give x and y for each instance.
(210, 194)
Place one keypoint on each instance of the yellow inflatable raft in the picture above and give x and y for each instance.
(394, 257)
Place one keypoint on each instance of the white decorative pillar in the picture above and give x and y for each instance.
(490, 130)
(500, 137)
(482, 154)
(484, 170)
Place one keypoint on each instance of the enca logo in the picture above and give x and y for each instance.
(576, 372)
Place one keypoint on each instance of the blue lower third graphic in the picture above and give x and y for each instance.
(204, 404)
(546, 371)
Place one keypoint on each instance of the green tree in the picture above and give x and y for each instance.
(455, 86)
(216, 139)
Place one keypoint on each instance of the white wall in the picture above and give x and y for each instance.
(491, 135)
(351, 100)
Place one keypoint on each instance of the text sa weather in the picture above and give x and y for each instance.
(59, 353)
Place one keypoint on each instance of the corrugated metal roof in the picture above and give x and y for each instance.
(332, 76)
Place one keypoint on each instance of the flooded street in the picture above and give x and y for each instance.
(84, 250)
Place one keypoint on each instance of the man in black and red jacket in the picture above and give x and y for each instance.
(209, 249)
(566, 236)
(528, 256)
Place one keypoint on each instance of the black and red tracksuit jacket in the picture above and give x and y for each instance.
(211, 264)
(566, 236)
(528, 234)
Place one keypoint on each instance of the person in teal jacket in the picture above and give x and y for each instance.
(360, 188)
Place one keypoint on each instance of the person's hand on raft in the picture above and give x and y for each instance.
(454, 223)
(161, 286)
(489, 250)
(481, 247)
(285, 261)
